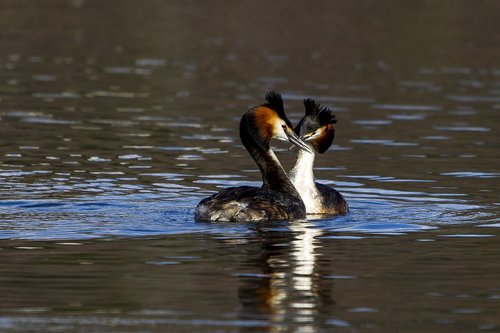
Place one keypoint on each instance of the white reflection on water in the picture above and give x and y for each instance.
(304, 252)
(293, 290)
(303, 247)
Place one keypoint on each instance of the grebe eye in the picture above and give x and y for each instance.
(283, 127)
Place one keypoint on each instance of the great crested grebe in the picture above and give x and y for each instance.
(277, 199)
(317, 130)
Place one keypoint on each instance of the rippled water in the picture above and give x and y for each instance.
(116, 119)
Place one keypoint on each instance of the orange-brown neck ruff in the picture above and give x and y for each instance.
(324, 141)
(257, 127)
(265, 121)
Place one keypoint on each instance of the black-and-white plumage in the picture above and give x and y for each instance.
(277, 199)
(317, 130)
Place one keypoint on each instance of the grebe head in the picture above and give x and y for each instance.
(268, 121)
(316, 127)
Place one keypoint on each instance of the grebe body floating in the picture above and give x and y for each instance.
(317, 130)
(277, 199)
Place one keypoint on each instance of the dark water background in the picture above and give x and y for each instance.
(117, 117)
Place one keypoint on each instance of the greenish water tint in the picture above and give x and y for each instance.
(117, 118)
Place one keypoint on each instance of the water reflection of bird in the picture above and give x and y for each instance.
(317, 130)
(277, 199)
(284, 280)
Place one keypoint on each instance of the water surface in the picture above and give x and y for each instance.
(116, 119)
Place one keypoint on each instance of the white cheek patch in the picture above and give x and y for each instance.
(279, 132)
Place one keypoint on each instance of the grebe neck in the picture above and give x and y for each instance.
(274, 176)
(302, 175)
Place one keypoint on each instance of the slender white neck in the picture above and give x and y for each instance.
(302, 177)
(302, 174)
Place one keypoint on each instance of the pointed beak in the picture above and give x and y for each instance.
(308, 137)
(298, 142)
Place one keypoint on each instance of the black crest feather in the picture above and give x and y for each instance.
(320, 113)
(275, 102)
(316, 117)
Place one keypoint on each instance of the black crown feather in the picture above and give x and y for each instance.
(275, 102)
(316, 117)
(322, 113)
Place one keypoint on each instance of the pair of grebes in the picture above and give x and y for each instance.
(281, 197)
